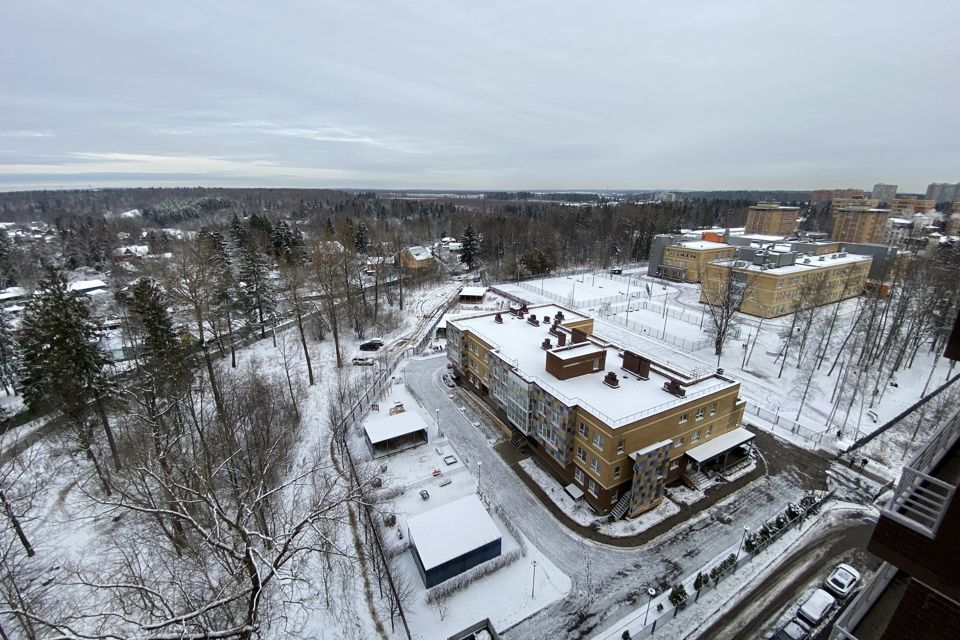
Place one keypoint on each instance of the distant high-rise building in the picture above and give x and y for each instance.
(943, 192)
(884, 192)
(771, 219)
(912, 204)
(826, 195)
(859, 200)
(860, 224)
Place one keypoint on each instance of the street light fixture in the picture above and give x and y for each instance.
(746, 530)
(650, 593)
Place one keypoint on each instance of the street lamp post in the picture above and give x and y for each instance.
(479, 468)
(650, 593)
(533, 587)
(746, 530)
(439, 430)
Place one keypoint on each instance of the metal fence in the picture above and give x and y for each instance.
(784, 424)
(659, 334)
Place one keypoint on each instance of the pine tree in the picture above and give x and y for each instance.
(162, 354)
(362, 238)
(469, 252)
(8, 355)
(61, 365)
(254, 269)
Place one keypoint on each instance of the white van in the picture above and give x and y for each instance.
(815, 608)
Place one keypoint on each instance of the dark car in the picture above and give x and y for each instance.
(371, 345)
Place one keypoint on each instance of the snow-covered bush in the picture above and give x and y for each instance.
(512, 528)
(678, 595)
(460, 582)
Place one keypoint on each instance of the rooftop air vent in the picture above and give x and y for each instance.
(498, 319)
(546, 319)
(673, 388)
(611, 380)
(561, 339)
(533, 320)
(545, 345)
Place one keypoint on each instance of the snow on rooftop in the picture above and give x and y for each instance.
(570, 352)
(420, 253)
(393, 426)
(12, 293)
(759, 237)
(87, 285)
(704, 244)
(450, 531)
(652, 447)
(804, 263)
(518, 342)
(473, 292)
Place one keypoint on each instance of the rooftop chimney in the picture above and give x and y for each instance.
(637, 364)
(673, 388)
(523, 308)
(498, 319)
(546, 319)
(533, 320)
(545, 345)
(561, 339)
(611, 380)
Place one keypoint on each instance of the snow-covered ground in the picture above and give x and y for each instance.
(506, 596)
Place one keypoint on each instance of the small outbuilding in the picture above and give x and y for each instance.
(395, 433)
(472, 295)
(452, 539)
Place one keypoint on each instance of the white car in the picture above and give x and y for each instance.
(815, 608)
(842, 580)
(364, 362)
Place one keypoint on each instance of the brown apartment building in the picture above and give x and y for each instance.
(613, 425)
(771, 219)
(911, 204)
(777, 281)
(865, 225)
(686, 261)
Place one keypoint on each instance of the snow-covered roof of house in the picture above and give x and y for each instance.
(139, 250)
(473, 292)
(455, 246)
(394, 426)
(518, 343)
(87, 285)
(420, 253)
(451, 531)
(12, 293)
(703, 244)
(721, 443)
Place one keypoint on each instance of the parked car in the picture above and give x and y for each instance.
(364, 362)
(842, 580)
(815, 608)
(373, 344)
(793, 630)
(448, 380)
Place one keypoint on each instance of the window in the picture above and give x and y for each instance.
(709, 430)
(684, 417)
(616, 473)
(581, 456)
(620, 446)
(678, 442)
(696, 436)
(614, 496)
(700, 413)
(674, 465)
(578, 475)
(592, 487)
(583, 430)
(713, 408)
(595, 465)
(598, 441)
(596, 365)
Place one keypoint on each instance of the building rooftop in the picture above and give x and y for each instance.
(420, 253)
(518, 342)
(401, 424)
(703, 244)
(473, 292)
(451, 531)
(804, 263)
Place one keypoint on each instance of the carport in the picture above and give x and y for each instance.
(395, 433)
(724, 451)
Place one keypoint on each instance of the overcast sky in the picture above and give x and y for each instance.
(413, 94)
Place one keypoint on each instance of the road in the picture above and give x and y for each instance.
(605, 579)
(768, 600)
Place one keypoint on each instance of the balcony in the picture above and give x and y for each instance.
(923, 495)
